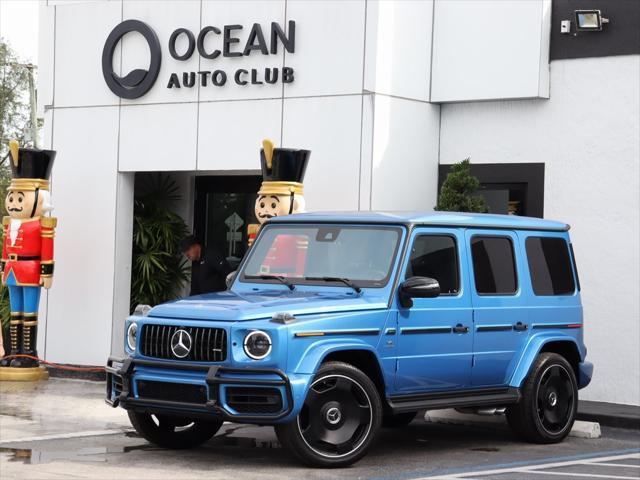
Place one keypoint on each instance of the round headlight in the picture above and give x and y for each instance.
(132, 333)
(257, 345)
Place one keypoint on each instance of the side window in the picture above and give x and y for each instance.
(435, 256)
(494, 266)
(550, 266)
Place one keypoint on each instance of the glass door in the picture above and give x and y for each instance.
(224, 206)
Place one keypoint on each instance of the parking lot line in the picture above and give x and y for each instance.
(542, 468)
(572, 474)
(614, 464)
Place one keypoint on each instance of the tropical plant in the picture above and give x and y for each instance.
(457, 191)
(158, 272)
(15, 119)
(5, 309)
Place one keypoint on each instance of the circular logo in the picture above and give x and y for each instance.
(181, 343)
(139, 81)
(334, 416)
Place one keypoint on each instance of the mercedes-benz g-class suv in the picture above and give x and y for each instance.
(337, 324)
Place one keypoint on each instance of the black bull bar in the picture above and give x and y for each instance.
(212, 407)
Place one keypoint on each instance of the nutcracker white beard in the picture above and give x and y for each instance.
(269, 206)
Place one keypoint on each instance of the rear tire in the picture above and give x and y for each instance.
(547, 410)
(338, 421)
(173, 432)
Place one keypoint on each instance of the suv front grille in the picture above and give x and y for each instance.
(207, 344)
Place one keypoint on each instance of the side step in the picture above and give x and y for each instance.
(454, 399)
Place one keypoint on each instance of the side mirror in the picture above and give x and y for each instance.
(230, 278)
(418, 287)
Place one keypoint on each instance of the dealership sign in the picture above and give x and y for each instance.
(139, 81)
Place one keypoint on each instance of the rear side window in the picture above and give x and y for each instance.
(494, 266)
(435, 256)
(550, 266)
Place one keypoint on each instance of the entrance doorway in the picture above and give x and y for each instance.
(224, 206)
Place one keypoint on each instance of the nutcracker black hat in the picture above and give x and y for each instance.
(283, 169)
(30, 167)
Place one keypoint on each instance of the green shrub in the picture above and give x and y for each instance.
(457, 191)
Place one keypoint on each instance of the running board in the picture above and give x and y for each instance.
(454, 399)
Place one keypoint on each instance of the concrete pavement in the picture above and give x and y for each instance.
(63, 429)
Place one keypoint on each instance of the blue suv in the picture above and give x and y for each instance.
(338, 324)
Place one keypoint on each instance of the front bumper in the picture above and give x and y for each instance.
(585, 372)
(123, 377)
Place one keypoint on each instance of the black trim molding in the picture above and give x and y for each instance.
(621, 36)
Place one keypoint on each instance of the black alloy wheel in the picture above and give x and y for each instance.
(555, 399)
(549, 403)
(339, 419)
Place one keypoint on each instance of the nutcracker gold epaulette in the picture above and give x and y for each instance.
(49, 222)
(6, 220)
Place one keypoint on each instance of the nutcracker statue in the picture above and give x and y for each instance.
(281, 192)
(27, 255)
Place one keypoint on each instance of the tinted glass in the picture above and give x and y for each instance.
(494, 267)
(435, 256)
(307, 253)
(550, 266)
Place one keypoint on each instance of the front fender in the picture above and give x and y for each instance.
(316, 352)
(533, 348)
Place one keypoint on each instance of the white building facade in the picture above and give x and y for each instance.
(385, 94)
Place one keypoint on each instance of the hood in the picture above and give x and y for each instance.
(231, 306)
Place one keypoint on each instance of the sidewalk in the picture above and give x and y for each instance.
(610, 414)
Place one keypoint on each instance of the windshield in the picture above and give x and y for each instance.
(331, 254)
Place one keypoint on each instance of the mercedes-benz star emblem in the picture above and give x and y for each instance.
(181, 343)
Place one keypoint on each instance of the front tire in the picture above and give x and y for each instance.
(547, 410)
(173, 432)
(338, 421)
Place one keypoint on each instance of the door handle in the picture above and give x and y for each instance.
(520, 327)
(459, 328)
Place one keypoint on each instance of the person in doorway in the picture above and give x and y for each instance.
(209, 267)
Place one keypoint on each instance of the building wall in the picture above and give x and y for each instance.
(362, 156)
(365, 74)
(587, 134)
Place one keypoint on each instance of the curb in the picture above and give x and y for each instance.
(610, 414)
(581, 429)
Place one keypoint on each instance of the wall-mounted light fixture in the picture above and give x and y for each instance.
(589, 20)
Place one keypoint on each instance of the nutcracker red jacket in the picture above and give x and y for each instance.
(27, 249)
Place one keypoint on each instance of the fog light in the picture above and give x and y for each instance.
(257, 345)
(132, 333)
(589, 20)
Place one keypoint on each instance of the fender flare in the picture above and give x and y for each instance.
(532, 350)
(316, 352)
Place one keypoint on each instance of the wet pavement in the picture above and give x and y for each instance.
(63, 429)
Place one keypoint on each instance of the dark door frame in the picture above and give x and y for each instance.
(531, 174)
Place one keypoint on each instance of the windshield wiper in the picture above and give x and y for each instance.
(280, 278)
(346, 281)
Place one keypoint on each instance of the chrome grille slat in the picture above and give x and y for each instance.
(208, 344)
(209, 348)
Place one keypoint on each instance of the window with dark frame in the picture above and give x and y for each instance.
(550, 266)
(494, 265)
(436, 256)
